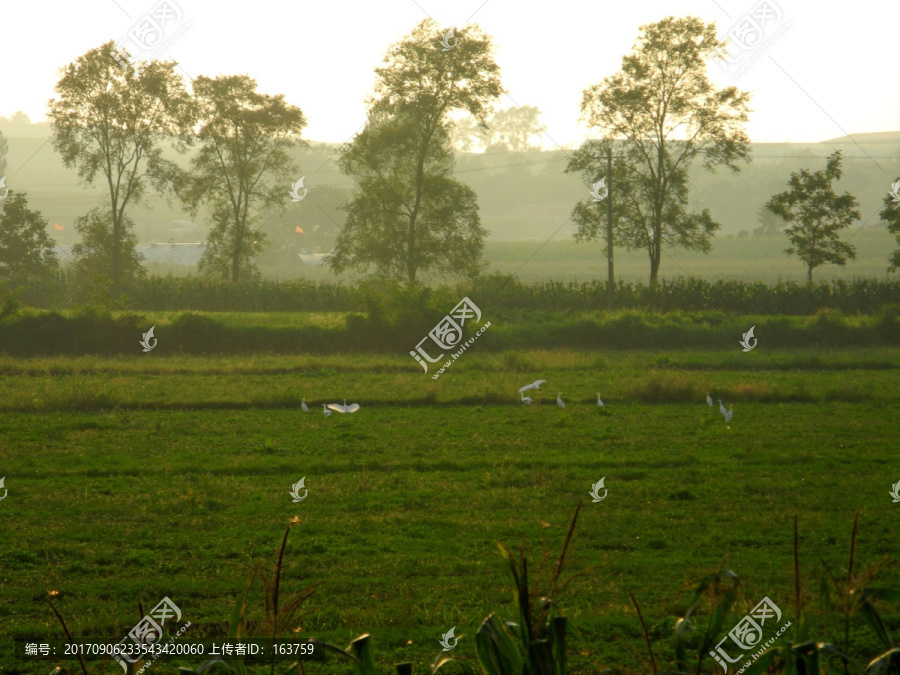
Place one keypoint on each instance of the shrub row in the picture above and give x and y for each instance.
(95, 332)
(863, 296)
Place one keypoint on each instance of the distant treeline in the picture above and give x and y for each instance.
(496, 292)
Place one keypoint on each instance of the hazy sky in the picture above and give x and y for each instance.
(836, 68)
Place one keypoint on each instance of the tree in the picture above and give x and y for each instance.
(511, 129)
(4, 148)
(667, 113)
(515, 127)
(466, 133)
(93, 271)
(407, 214)
(26, 250)
(890, 215)
(634, 210)
(815, 214)
(241, 169)
(770, 224)
(109, 122)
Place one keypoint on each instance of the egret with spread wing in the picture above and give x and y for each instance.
(534, 385)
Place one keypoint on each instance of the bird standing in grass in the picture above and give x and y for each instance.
(527, 400)
(726, 413)
(709, 400)
(599, 400)
(559, 401)
(326, 411)
(303, 406)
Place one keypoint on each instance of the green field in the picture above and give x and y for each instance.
(133, 478)
(558, 257)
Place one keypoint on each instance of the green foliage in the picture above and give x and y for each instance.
(397, 314)
(4, 148)
(890, 215)
(662, 88)
(241, 169)
(542, 637)
(106, 261)
(802, 655)
(815, 214)
(399, 320)
(26, 250)
(502, 293)
(108, 121)
(408, 215)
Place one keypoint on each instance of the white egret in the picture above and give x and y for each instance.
(303, 405)
(534, 385)
(337, 407)
(709, 400)
(722, 408)
(559, 401)
(326, 411)
(729, 413)
(526, 399)
(599, 400)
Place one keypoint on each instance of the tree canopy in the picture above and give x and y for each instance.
(659, 113)
(241, 169)
(26, 250)
(109, 122)
(890, 215)
(407, 213)
(815, 215)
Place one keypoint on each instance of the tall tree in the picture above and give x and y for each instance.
(890, 215)
(4, 148)
(26, 250)
(407, 214)
(667, 113)
(815, 214)
(241, 169)
(110, 123)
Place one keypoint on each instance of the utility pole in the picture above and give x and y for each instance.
(609, 228)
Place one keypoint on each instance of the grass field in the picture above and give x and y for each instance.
(560, 258)
(133, 478)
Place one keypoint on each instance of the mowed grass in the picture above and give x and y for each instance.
(137, 477)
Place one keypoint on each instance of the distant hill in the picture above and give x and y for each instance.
(874, 137)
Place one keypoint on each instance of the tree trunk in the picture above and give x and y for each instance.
(809, 271)
(235, 257)
(654, 269)
(116, 254)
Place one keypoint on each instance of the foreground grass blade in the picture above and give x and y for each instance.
(446, 660)
(558, 626)
(362, 649)
(496, 649)
(889, 662)
(236, 623)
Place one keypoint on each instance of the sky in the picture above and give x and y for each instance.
(828, 69)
